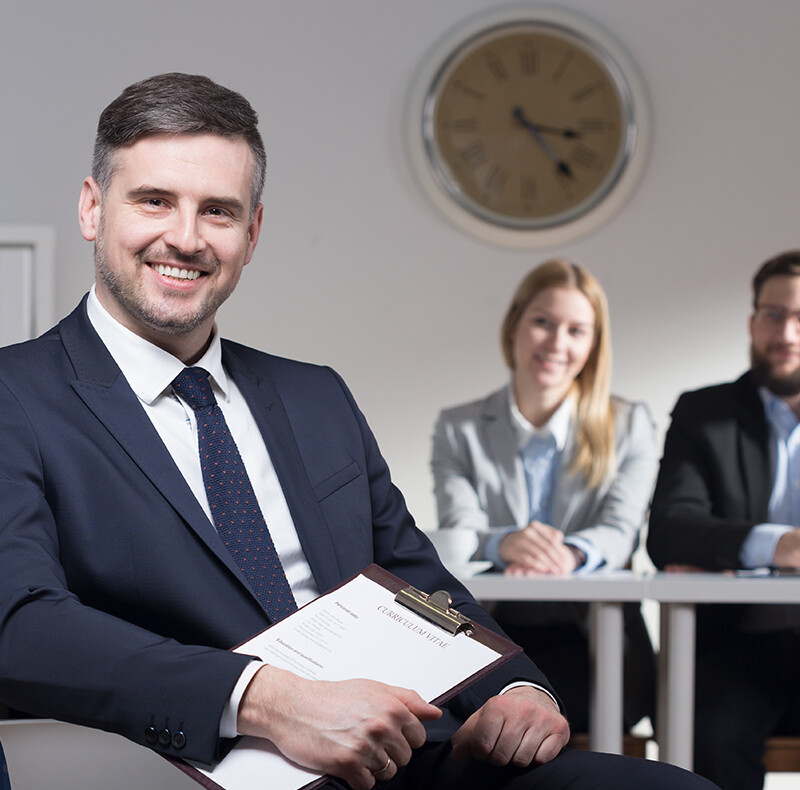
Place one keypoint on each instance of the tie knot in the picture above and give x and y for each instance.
(193, 386)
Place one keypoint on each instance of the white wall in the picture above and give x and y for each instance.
(354, 268)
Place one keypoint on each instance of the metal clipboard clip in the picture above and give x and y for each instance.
(436, 608)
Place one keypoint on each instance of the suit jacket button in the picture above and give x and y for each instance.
(164, 737)
(151, 734)
(179, 740)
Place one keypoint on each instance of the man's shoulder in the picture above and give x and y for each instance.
(255, 359)
(30, 354)
(721, 400)
(728, 390)
(288, 375)
(70, 348)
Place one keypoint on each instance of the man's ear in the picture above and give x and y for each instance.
(90, 206)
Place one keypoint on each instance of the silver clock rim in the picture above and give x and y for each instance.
(441, 172)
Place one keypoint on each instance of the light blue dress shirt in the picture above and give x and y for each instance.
(541, 452)
(758, 549)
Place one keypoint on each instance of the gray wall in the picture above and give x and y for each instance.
(354, 268)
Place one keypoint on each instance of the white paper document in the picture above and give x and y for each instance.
(357, 630)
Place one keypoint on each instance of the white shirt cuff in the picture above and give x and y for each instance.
(230, 715)
(523, 684)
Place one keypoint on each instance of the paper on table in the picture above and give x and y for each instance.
(355, 631)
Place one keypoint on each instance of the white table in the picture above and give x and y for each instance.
(677, 593)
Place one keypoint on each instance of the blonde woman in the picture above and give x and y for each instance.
(553, 475)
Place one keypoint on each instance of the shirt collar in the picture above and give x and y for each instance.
(779, 414)
(556, 427)
(149, 369)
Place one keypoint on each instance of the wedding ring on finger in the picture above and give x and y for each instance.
(384, 769)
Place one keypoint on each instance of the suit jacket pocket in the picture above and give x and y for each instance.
(336, 481)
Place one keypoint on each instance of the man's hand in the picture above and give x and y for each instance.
(787, 552)
(349, 729)
(537, 549)
(516, 728)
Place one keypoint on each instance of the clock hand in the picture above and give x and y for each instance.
(560, 164)
(570, 134)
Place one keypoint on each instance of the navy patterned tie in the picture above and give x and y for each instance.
(233, 504)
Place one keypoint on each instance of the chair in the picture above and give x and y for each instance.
(43, 754)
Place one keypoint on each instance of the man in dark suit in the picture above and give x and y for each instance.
(122, 590)
(728, 497)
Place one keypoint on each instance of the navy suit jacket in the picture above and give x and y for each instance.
(118, 601)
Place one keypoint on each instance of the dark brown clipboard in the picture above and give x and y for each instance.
(450, 621)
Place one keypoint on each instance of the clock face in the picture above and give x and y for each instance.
(528, 125)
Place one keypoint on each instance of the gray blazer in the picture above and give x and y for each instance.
(479, 481)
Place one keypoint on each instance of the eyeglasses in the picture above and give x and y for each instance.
(775, 316)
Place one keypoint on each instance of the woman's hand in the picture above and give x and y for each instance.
(537, 549)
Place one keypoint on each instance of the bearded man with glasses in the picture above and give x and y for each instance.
(728, 497)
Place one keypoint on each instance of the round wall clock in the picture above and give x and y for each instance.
(528, 126)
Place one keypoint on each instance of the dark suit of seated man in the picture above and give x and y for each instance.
(119, 598)
(727, 498)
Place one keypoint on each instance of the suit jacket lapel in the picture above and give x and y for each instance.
(753, 440)
(105, 391)
(502, 441)
(270, 415)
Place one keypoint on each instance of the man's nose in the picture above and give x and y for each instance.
(185, 233)
(791, 330)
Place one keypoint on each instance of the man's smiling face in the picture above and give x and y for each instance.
(172, 234)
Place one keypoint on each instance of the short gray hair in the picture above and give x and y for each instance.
(176, 104)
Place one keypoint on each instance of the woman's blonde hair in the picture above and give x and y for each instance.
(594, 436)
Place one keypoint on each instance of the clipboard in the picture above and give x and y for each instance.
(440, 653)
